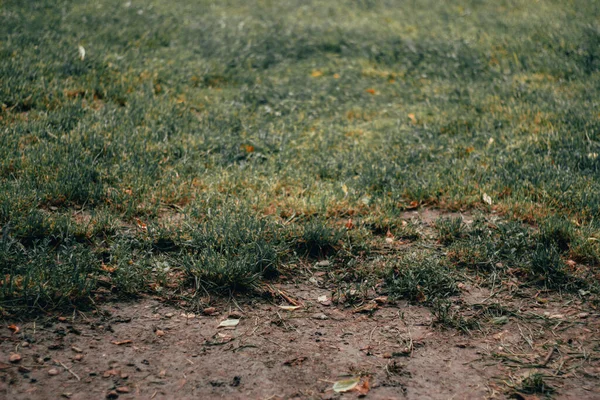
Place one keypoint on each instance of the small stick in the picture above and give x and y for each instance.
(69, 369)
(548, 356)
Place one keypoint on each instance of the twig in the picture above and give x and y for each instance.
(548, 356)
(68, 369)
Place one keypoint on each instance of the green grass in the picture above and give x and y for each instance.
(224, 139)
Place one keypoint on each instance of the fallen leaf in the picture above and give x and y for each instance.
(349, 224)
(364, 387)
(381, 299)
(289, 308)
(295, 361)
(110, 372)
(316, 74)
(141, 225)
(14, 328)
(122, 342)
(209, 311)
(324, 300)
(371, 91)
(345, 385)
(412, 118)
(336, 76)
(81, 50)
(487, 199)
(229, 323)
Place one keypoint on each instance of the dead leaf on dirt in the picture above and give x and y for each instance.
(412, 118)
(14, 358)
(13, 328)
(122, 342)
(316, 74)
(289, 308)
(381, 300)
(371, 91)
(345, 385)
(324, 300)
(366, 308)
(209, 311)
(295, 361)
(364, 387)
(229, 323)
(111, 372)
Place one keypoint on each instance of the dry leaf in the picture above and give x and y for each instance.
(364, 387)
(14, 328)
(371, 91)
(349, 224)
(316, 74)
(324, 300)
(81, 50)
(141, 225)
(229, 323)
(209, 311)
(345, 385)
(413, 118)
(487, 199)
(336, 76)
(289, 308)
(122, 342)
(295, 361)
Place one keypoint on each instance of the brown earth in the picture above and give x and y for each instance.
(149, 350)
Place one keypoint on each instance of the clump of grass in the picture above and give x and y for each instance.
(535, 384)
(232, 250)
(448, 316)
(420, 278)
(450, 229)
(318, 239)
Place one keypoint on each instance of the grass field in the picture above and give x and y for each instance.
(176, 147)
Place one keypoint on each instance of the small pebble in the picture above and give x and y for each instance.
(123, 389)
(53, 372)
(14, 358)
(112, 395)
(25, 344)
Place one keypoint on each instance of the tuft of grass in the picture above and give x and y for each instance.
(450, 229)
(535, 384)
(420, 278)
(318, 240)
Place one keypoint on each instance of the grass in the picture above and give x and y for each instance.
(206, 144)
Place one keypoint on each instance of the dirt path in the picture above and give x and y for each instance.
(147, 349)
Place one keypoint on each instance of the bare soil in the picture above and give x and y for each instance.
(149, 350)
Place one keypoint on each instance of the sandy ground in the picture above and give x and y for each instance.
(149, 350)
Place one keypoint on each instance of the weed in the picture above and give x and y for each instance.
(420, 278)
(535, 384)
(450, 229)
